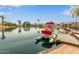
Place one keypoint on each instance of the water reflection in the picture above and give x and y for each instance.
(6, 30)
(26, 28)
(46, 44)
(3, 35)
(38, 32)
(16, 42)
(19, 31)
(9, 29)
(36, 28)
(42, 39)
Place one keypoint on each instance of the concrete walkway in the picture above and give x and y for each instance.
(65, 49)
(70, 45)
(66, 38)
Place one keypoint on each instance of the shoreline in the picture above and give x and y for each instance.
(6, 27)
(47, 50)
(68, 46)
(65, 49)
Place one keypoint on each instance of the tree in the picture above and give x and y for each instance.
(38, 20)
(19, 22)
(2, 18)
(26, 24)
(75, 13)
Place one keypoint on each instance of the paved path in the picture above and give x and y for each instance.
(68, 39)
(70, 45)
(65, 49)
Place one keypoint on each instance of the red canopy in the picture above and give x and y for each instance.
(48, 23)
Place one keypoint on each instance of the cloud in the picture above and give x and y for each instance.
(5, 13)
(15, 6)
(10, 7)
(3, 9)
(67, 12)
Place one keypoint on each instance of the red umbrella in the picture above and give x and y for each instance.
(50, 23)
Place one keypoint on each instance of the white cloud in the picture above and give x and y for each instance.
(15, 6)
(67, 12)
(5, 13)
(10, 7)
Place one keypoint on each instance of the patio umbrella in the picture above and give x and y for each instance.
(50, 23)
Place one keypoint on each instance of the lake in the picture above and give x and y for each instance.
(21, 41)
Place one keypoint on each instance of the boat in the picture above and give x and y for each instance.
(51, 39)
(47, 31)
(47, 35)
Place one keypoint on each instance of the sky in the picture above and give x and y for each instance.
(45, 13)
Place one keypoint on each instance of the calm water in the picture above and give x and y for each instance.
(20, 41)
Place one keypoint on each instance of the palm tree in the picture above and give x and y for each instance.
(19, 23)
(38, 21)
(75, 13)
(2, 18)
(27, 23)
